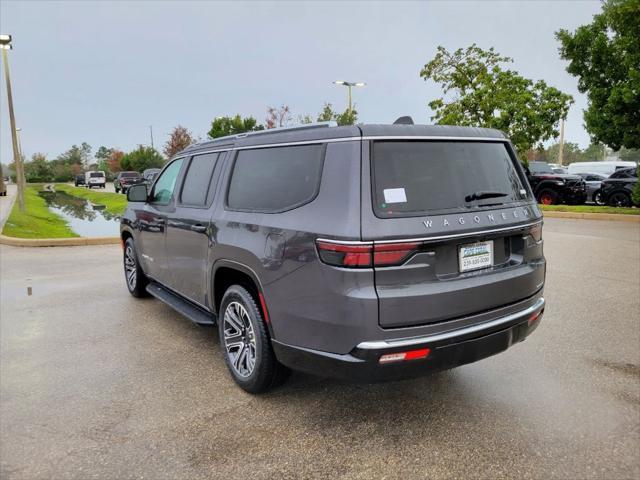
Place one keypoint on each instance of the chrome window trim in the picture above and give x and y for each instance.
(384, 344)
(434, 238)
(348, 139)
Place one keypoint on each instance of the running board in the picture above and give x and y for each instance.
(193, 312)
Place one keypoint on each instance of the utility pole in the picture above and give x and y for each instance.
(350, 85)
(560, 150)
(151, 131)
(5, 44)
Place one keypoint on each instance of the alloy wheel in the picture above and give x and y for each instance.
(130, 267)
(239, 339)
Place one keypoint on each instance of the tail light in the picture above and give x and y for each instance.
(365, 255)
(404, 356)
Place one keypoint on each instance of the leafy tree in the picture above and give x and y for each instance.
(278, 117)
(630, 155)
(142, 158)
(113, 162)
(38, 169)
(76, 155)
(179, 139)
(635, 194)
(304, 119)
(486, 95)
(594, 153)
(605, 56)
(103, 154)
(345, 118)
(223, 126)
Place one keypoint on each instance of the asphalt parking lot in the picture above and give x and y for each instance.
(97, 384)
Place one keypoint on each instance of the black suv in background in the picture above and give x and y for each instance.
(371, 252)
(125, 179)
(551, 188)
(79, 180)
(617, 189)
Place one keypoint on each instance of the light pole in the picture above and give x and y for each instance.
(18, 130)
(350, 85)
(5, 44)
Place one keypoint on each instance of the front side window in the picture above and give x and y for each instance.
(414, 178)
(198, 179)
(275, 179)
(163, 188)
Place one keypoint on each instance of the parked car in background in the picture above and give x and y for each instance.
(551, 188)
(95, 179)
(125, 179)
(369, 252)
(603, 168)
(79, 180)
(617, 189)
(3, 188)
(594, 184)
(562, 170)
(150, 174)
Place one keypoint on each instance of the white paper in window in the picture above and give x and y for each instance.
(395, 195)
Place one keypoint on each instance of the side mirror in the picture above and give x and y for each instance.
(137, 193)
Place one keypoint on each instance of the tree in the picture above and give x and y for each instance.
(223, 126)
(629, 155)
(594, 153)
(345, 118)
(179, 139)
(486, 95)
(278, 117)
(114, 161)
(76, 155)
(103, 153)
(142, 158)
(38, 169)
(304, 119)
(605, 56)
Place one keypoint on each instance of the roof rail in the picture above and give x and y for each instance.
(303, 126)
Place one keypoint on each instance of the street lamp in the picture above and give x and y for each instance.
(5, 44)
(350, 85)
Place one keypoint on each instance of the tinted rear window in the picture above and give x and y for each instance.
(130, 174)
(412, 178)
(96, 174)
(197, 180)
(275, 179)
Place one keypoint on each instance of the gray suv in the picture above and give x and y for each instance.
(371, 252)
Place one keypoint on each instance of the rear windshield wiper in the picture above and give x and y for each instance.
(481, 195)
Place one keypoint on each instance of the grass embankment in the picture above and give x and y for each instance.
(589, 209)
(114, 203)
(37, 221)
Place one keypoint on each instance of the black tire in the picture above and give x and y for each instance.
(245, 331)
(117, 190)
(619, 199)
(597, 198)
(547, 196)
(134, 277)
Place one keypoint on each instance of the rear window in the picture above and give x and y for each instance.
(96, 174)
(275, 179)
(130, 174)
(415, 178)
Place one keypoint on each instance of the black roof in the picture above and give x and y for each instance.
(325, 132)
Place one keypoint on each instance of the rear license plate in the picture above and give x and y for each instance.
(474, 256)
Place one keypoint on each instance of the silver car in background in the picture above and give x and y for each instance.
(594, 184)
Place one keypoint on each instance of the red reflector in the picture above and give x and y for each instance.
(533, 318)
(404, 356)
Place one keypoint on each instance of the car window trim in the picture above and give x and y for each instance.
(270, 212)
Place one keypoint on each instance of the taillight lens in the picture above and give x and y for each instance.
(536, 232)
(363, 255)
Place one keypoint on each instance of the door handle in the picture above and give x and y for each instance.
(199, 228)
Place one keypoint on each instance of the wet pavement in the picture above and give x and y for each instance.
(97, 384)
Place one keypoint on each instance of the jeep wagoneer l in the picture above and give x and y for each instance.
(371, 252)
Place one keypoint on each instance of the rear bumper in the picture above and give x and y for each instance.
(446, 350)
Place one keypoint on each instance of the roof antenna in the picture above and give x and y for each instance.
(407, 120)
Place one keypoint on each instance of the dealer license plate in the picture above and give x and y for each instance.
(474, 256)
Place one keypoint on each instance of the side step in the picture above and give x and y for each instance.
(193, 312)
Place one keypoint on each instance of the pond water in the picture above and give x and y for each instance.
(84, 218)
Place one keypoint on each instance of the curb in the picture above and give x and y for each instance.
(615, 217)
(58, 242)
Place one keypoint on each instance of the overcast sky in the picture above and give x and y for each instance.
(102, 72)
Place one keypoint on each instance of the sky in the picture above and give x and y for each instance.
(101, 72)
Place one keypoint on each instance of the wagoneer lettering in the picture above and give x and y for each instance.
(367, 253)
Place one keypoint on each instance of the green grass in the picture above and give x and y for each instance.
(589, 209)
(114, 203)
(36, 221)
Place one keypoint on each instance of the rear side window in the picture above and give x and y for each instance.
(197, 181)
(275, 179)
(416, 178)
